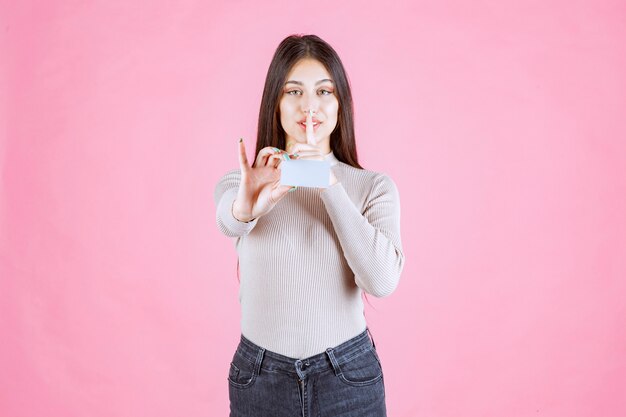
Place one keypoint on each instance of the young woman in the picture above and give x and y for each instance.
(308, 254)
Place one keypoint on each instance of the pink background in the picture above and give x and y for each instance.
(502, 124)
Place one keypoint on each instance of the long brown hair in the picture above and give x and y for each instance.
(270, 132)
(290, 51)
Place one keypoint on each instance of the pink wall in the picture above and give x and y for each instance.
(501, 122)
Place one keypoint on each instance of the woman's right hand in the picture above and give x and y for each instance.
(260, 187)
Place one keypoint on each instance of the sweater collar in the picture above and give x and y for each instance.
(330, 157)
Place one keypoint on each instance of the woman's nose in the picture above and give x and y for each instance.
(310, 104)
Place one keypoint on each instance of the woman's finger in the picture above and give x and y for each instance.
(280, 156)
(310, 134)
(243, 158)
(301, 147)
(282, 190)
(261, 159)
(275, 160)
(315, 157)
(306, 151)
(306, 154)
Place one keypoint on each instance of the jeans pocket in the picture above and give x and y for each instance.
(363, 369)
(242, 373)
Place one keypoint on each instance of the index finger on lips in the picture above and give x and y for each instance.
(310, 135)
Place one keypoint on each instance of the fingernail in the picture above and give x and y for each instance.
(293, 189)
(287, 158)
(240, 140)
(296, 155)
(276, 149)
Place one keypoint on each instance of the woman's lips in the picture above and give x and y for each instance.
(315, 126)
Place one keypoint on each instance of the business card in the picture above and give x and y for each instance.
(305, 173)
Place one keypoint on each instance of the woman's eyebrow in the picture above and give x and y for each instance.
(300, 83)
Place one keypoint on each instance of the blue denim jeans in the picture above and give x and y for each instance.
(345, 380)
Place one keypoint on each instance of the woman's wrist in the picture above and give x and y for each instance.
(239, 219)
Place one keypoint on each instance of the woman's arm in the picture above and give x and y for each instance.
(370, 241)
(224, 196)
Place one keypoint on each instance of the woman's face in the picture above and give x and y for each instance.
(308, 86)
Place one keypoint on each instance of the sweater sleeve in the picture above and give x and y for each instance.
(224, 195)
(370, 241)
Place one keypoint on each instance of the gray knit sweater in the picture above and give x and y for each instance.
(304, 264)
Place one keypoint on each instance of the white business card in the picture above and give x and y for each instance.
(305, 173)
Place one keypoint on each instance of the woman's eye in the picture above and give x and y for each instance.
(299, 93)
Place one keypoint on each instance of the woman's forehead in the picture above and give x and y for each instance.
(309, 70)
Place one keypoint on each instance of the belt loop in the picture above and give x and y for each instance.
(372, 337)
(259, 359)
(333, 361)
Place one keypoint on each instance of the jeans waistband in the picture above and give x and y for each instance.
(329, 359)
